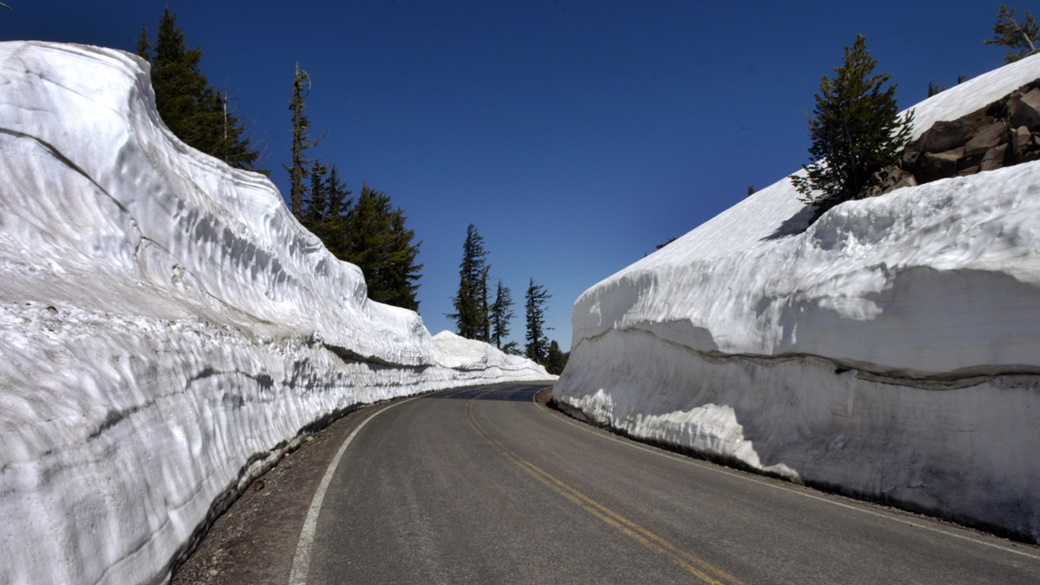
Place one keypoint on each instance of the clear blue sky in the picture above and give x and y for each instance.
(576, 135)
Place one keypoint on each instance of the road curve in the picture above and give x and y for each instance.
(482, 485)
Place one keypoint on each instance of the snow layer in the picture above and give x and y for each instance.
(168, 328)
(890, 350)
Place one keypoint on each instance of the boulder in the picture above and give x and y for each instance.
(1024, 109)
(986, 138)
(945, 136)
(889, 179)
(994, 158)
(938, 165)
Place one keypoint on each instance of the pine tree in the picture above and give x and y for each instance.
(501, 314)
(337, 195)
(537, 298)
(144, 46)
(856, 131)
(189, 107)
(471, 306)
(301, 141)
(316, 204)
(1017, 36)
(333, 227)
(555, 359)
(377, 241)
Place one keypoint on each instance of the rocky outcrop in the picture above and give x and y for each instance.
(1004, 133)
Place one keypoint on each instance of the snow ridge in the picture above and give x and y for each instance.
(888, 350)
(168, 327)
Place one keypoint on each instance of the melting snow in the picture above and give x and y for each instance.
(168, 327)
(889, 350)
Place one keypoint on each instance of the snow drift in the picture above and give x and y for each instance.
(168, 328)
(891, 350)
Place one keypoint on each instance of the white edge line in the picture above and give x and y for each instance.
(780, 486)
(302, 560)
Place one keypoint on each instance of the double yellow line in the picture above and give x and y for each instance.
(698, 567)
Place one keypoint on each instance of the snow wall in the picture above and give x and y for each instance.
(890, 351)
(167, 328)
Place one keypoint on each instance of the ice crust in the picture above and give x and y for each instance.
(167, 328)
(891, 350)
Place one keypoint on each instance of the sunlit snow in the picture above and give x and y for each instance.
(167, 327)
(890, 350)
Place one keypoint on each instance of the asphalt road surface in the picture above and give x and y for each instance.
(485, 486)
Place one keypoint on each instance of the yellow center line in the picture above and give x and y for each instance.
(698, 567)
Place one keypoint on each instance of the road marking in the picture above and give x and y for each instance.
(302, 559)
(783, 486)
(698, 567)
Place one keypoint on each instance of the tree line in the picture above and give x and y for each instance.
(856, 129)
(480, 316)
(368, 232)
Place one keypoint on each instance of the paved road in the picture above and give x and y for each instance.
(485, 486)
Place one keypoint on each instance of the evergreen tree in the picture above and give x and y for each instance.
(537, 297)
(301, 141)
(501, 314)
(377, 241)
(856, 130)
(316, 204)
(144, 46)
(670, 240)
(320, 215)
(555, 359)
(1017, 36)
(471, 306)
(337, 195)
(189, 107)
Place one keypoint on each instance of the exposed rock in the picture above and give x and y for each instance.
(941, 164)
(1023, 138)
(1006, 132)
(1024, 110)
(891, 178)
(987, 137)
(994, 158)
(945, 136)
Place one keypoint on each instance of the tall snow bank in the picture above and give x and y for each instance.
(167, 326)
(890, 350)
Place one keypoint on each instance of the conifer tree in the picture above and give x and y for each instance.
(144, 46)
(856, 131)
(1017, 36)
(316, 205)
(471, 308)
(501, 314)
(555, 359)
(536, 299)
(333, 228)
(301, 141)
(377, 241)
(189, 107)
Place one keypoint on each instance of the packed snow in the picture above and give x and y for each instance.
(891, 350)
(168, 328)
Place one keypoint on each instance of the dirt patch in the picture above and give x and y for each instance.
(544, 397)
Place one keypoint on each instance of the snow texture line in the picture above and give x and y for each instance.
(785, 486)
(951, 380)
(302, 559)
